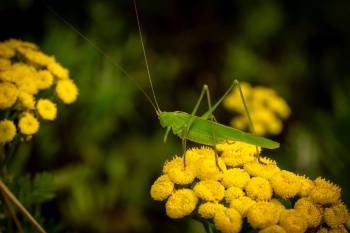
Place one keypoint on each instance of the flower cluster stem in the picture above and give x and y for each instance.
(8, 194)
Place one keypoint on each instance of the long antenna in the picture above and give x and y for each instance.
(144, 55)
(111, 60)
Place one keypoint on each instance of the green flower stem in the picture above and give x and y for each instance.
(6, 192)
(207, 226)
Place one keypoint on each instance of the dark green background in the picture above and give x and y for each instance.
(106, 149)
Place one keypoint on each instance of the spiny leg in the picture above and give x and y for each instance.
(189, 123)
(205, 90)
(250, 122)
(212, 127)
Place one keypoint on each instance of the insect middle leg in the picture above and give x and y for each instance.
(205, 90)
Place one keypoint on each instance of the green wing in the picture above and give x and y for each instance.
(201, 132)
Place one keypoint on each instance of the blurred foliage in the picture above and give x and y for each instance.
(107, 149)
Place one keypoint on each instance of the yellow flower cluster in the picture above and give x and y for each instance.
(243, 189)
(25, 74)
(265, 106)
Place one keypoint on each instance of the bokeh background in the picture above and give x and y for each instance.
(106, 149)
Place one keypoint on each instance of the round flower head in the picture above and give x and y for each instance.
(4, 64)
(262, 215)
(285, 184)
(209, 190)
(265, 169)
(181, 203)
(7, 131)
(325, 192)
(237, 153)
(6, 51)
(233, 193)
(306, 186)
(279, 207)
(280, 106)
(162, 188)
(28, 124)
(336, 215)
(177, 172)
(8, 95)
(338, 229)
(311, 213)
(242, 205)
(36, 57)
(208, 210)
(207, 169)
(259, 189)
(293, 221)
(192, 156)
(322, 230)
(58, 71)
(235, 177)
(26, 100)
(228, 221)
(46, 109)
(67, 91)
(44, 79)
(273, 229)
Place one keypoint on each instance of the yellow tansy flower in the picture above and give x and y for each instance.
(228, 221)
(28, 124)
(322, 230)
(7, 131)
(4, 64)
(338, 229)
(311, 213)
(46, 109)
(207, 169)
(8, 95)
(26, 100)
(177, 172)
(306, 186)
(273, 229)
(6, 51)
(208, 210)
(242, 205)
(233, 193)
(162, 188)
(209, 190)
(237, 153)
(279, 207)
(265, 106)
(336, 215)
(325, 192)
(266, 169)
(293, 221)
(181, 203)
(262, 215)
(285, 184)
(67, 91)
(193, 155)
(44, 79)
(58, 71)
(235, 177)
(16, 43)
(259, 189)
(36, 57)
